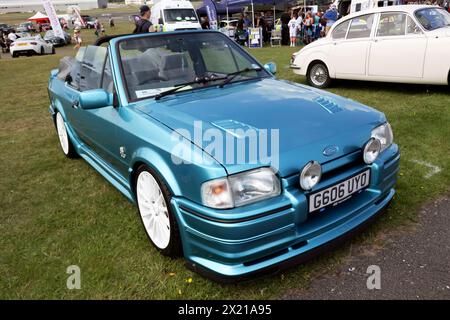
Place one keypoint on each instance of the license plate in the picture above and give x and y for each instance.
(339, 192)
(22, 44)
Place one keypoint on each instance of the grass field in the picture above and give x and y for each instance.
(57, 212)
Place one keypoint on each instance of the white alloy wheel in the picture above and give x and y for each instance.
(153, 210)
(62, 133)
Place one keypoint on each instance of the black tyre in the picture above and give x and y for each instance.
(160, 224)
(318, 75)
(42, 51)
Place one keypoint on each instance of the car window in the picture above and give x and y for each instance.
(361, 27)
(341, 30)
(392, 24)
(433, 18)
(92, 67)
(107, 81)
(412, 27)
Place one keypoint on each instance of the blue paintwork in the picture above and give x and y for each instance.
(309, 122)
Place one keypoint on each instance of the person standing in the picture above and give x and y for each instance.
(205, 23)
(12, 36)
(77, 38)
(317, 25)
(246, 20)
(262, 23)
(285, 18)
(144, 25)
(293, 27)
(97, 27)
(77, 23)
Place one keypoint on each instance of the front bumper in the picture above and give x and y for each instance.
(228, 245)
(298, 69)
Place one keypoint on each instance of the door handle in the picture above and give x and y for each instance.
(76, 104)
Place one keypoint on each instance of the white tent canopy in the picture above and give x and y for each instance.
(39, 15)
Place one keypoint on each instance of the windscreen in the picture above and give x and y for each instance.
(433, 18)
(176, 15)
(153, 64)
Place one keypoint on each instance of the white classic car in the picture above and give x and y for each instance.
(407, 43)
(30, 46)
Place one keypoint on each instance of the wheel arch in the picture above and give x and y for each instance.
(57, 107)
(158, 165)
(312, 62)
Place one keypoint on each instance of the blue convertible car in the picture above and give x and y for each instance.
(239, 172)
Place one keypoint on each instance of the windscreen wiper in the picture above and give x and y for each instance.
(231, 76)
(198, 80)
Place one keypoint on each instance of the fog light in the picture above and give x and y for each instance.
(372, 150)
(310, 175)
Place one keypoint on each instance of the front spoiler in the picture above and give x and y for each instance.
(293, 261)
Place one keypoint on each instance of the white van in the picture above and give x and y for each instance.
(174, 15)
(345, 7)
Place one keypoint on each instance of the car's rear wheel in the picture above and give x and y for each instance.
(15, 55)
(153, 199)
(64, 140)
(42, 51)
(318, 76)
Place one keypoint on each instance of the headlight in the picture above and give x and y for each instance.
(371, 150)
(384, 134)
(240, 189)
(310, 175)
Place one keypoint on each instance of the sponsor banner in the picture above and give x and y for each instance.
(212, 13)
(78, 16)
(54, 21)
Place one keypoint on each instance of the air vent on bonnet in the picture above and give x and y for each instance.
(230, 126)
(327, 104)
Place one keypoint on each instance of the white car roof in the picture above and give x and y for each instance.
(408, 8)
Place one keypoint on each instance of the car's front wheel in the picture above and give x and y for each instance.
(153, 199)
(64, 140)
(318, 76)
(42, 51)
(53, 50)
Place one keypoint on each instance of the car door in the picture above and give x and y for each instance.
(96, 127)
(349, 54)
(398, 48)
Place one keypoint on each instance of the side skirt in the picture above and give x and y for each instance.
(102, 167)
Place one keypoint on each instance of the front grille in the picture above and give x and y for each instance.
(356, 162)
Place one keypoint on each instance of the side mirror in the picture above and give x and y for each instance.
(94, 99)
(271, 67)
(54, 73)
